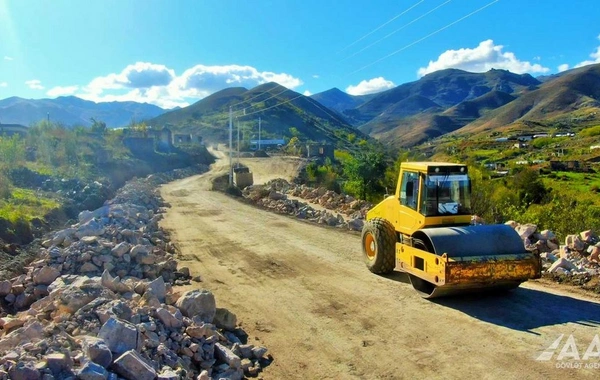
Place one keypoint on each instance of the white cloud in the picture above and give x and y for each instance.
(138, 75)
(595, 58)
(157, 84)
(307, 93)
(316, 76)
(563, 67)
(62, 90)
(370, 86)
(200, 81)
(34, 84)
(7, 58)
(3, 84)
(484, 57)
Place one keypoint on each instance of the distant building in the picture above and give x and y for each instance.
(186, 138)
(13, 129)
(322, 151)
(266, 143)
(574, 166)
(163, 143)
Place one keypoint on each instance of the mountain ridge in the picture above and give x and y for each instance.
(74, 111)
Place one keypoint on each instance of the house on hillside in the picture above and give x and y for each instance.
(318, 150)
(266, 144)
(13, 129)
(186, 138)
(525, 138)
(163, 140)
(569, 166)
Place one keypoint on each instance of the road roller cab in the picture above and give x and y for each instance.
(425, 230)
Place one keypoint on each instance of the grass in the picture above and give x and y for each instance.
(583, 186)
(25, 204)
(483, 153)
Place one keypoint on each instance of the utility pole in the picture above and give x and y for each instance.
(238, 143)
(230, 147)
(259, 133)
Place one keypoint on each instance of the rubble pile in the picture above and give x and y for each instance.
(99, 303)
(341, 211)
(577, 257)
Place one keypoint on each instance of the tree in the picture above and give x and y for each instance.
(294, 132)
(293, 146)
(98, 126)
(365, 173)
(529, 187)
(140, 128)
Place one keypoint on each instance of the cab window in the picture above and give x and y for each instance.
(409, 192)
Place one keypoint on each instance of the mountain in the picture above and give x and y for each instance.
(341, 102)
(436, 104)
(569, 99)
(279, 108)
(72, 111)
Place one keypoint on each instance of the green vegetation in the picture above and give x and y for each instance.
(55, 151)
(591, 131)
(24, 204)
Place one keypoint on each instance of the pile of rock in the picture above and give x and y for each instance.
(99, 303)
(339, 210)
(579, 256)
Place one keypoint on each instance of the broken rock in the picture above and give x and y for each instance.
(225, 319)
(132, 366)
(562, 263)
(97, 351)
(120, 336)
(92, 371)
(200, 303)
(45, 275)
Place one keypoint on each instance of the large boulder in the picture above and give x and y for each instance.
(525, 230)
(120, 336)
(97, 351)
(45, 275)
(132, 366)
(562, 263)
(225, 319)
(92, 371)
(90, 228)
(197, 303)
(79, 294)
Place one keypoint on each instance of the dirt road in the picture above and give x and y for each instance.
(303, 291)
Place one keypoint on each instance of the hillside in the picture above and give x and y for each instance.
(566, 101)
(448, 88)
(341, 102)
(73, 111)
(436, 104)
(279, 109)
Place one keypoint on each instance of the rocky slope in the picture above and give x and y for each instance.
(99, 302)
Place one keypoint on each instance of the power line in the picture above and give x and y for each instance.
(379, 60)
(276, 105)
(381, 26)
(256, 96)
(427, 36)
(397, 30)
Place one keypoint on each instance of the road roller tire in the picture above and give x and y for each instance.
(379, 245)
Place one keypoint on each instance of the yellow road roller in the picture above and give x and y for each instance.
(425, 230)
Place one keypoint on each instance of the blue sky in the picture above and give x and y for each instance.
(175, 52)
